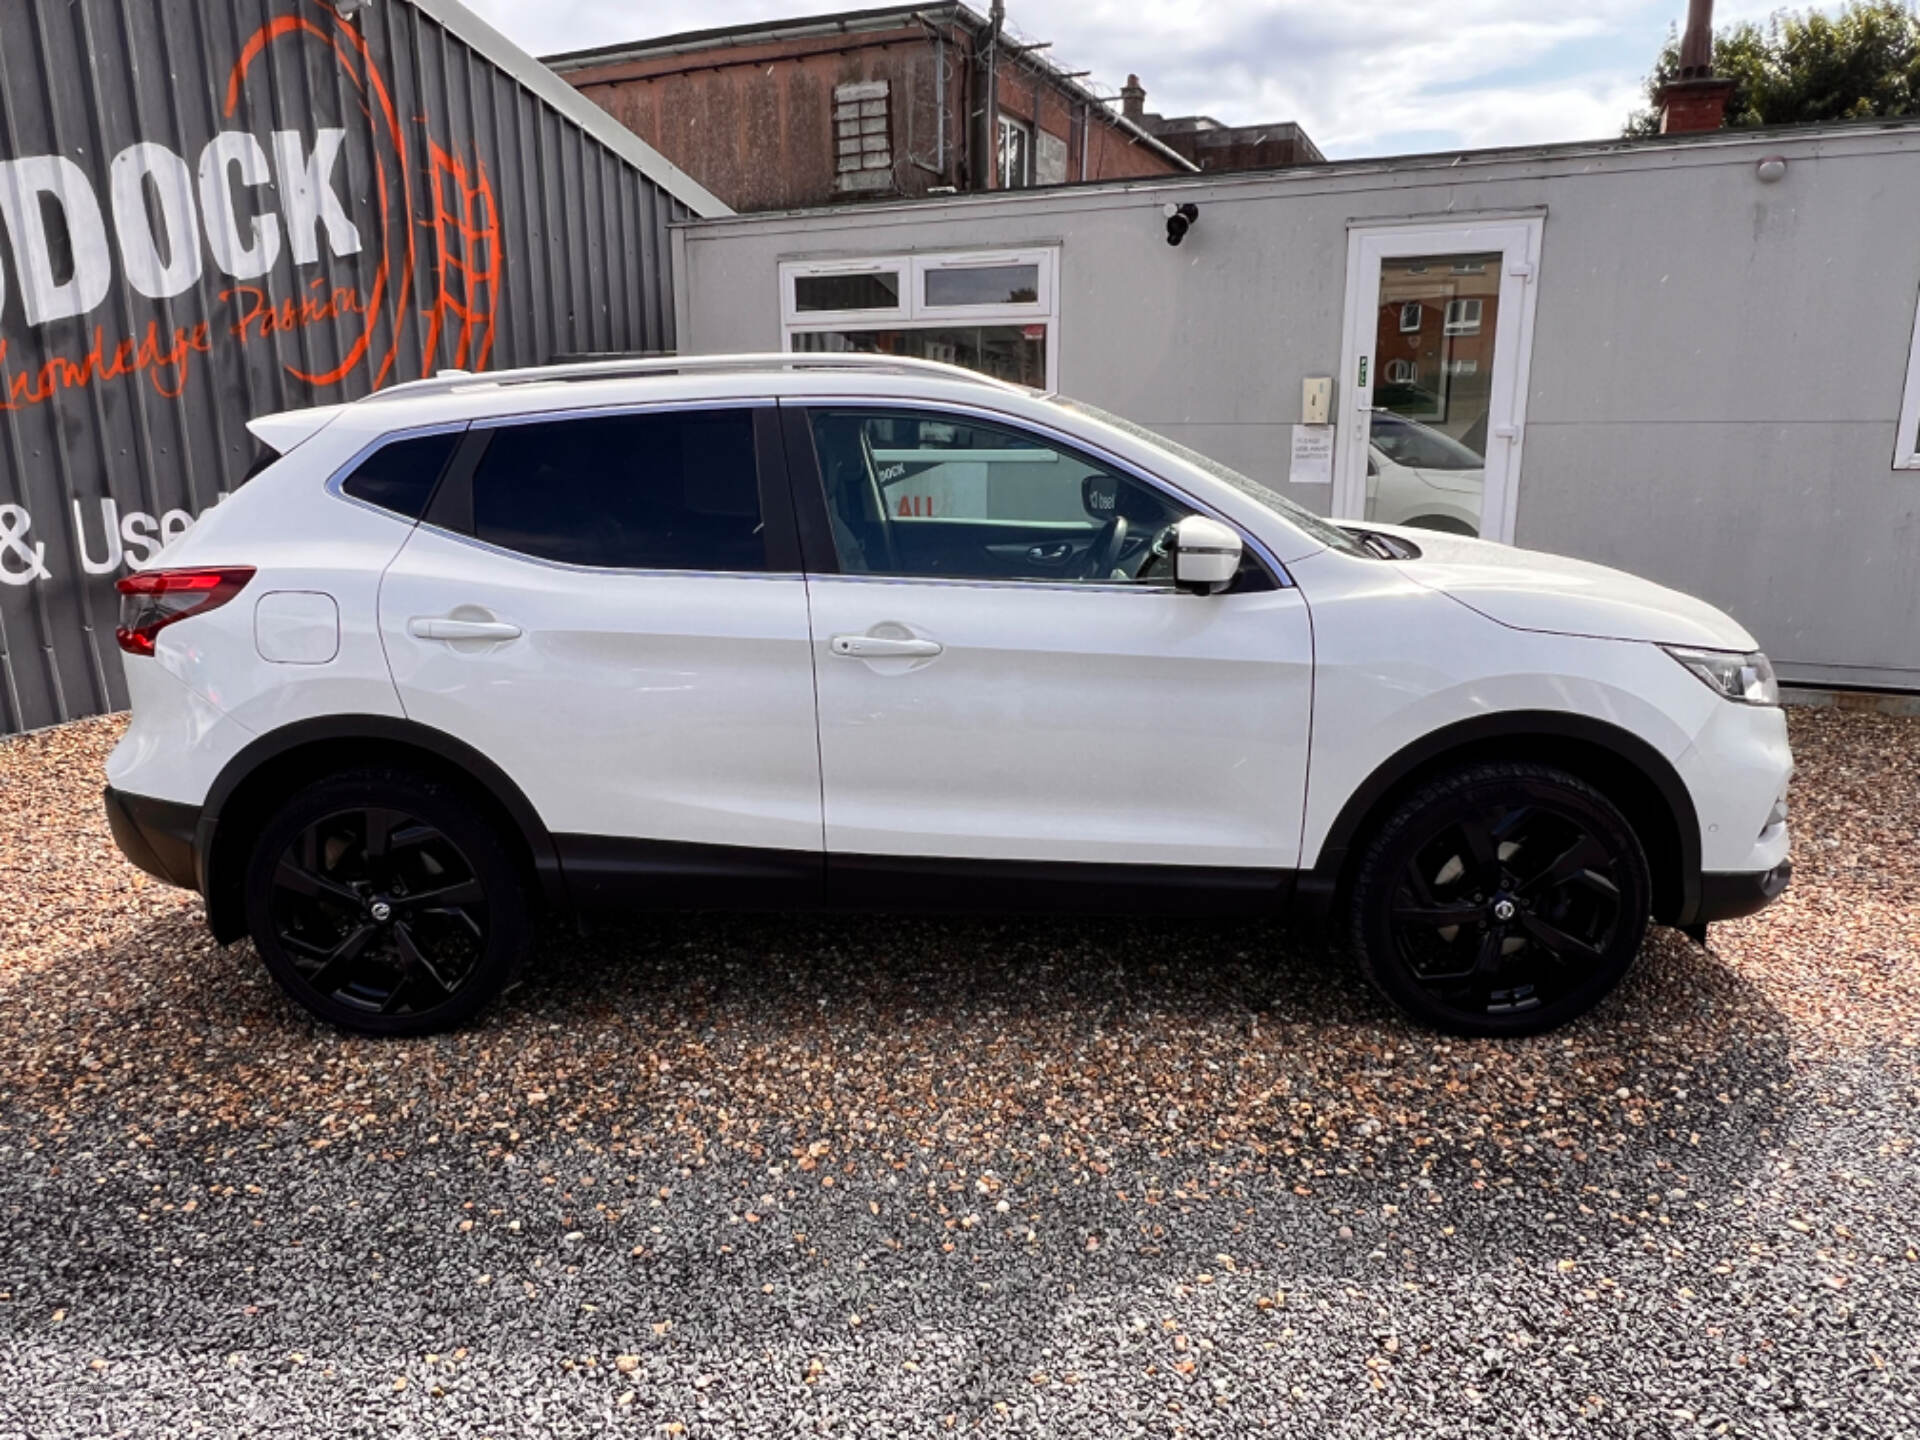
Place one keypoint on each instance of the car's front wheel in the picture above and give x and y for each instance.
(385, 902)
(1503, 899)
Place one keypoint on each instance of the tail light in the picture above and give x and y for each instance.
(153, 599)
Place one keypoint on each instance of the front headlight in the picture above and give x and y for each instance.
(1747, 678)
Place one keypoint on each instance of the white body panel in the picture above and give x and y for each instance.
(654, 706)
(1064, 723)
(1529, 590)
(1392, 666)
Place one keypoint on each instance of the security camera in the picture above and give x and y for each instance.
(1180, 219)
(347, 9)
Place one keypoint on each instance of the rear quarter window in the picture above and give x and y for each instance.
(401, 475)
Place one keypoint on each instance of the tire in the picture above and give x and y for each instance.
(1502, 899)
(386, 903)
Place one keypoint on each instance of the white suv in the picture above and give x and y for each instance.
(792, 631)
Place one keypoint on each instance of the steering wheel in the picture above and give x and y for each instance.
(1104, 553)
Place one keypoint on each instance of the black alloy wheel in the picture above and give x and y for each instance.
(383, 903)
(1503, 900)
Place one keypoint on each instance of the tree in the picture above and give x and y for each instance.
(1807, 66)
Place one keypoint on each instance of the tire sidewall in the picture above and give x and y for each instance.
(508, 918)
(1416, 822)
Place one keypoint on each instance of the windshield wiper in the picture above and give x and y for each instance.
(1383, 547)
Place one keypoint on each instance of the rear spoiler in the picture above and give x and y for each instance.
(281, 433)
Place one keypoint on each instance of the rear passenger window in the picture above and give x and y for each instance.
(400, 476)
(658, 491)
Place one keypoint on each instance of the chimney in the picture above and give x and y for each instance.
(1697, 100)
(1133, 99)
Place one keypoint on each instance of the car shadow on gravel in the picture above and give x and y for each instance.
(977, 1122)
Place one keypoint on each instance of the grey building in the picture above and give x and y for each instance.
(1691, 357)
(218, 209)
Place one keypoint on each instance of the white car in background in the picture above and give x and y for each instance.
(1420, 476)
(868, 633)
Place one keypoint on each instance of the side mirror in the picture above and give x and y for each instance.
(1206, 555)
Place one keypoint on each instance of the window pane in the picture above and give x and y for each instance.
(984, 285)
(400, 477)
(1016, 159)
(674, 491)
(1432, 399)
(873, 290)
(943, 496)
(1007, 352)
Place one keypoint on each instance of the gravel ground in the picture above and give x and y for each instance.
(767, 1177)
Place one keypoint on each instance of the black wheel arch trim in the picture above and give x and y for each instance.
(390, 729)
(1319, 885)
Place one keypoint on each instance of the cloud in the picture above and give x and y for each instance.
(1363, 77)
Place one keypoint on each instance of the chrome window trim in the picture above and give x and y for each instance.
(336, 482)
(1098, 587)
(627, 572)
(1282, 579)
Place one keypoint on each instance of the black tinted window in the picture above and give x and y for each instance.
(673, 491)
(400, 477)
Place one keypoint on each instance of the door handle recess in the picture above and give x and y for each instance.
(884, 647)
(430, 627)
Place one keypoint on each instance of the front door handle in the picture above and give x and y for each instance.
(441, 627)
(884, 647)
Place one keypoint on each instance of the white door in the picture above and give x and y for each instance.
(610, 629)
(1006, 674)
(1439, 326)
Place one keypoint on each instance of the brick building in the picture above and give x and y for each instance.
(1213, 146)
(867, 104)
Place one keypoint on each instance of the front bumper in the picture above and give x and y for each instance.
(157, 835)
(1725, 896)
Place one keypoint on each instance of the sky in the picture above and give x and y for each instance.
(1365, 77)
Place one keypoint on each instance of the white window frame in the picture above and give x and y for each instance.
(1457, 321)
(1906, 440)
(1419, 312)
(1005, 124)
(913, 313)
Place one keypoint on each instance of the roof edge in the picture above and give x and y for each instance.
(467, 27)
(1417, 161)
(757, 31)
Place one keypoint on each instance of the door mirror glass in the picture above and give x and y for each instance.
(1206, 555)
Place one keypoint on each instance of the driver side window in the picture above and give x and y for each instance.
(947, 497)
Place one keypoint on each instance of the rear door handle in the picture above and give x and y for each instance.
(884, 647)
(439, 627)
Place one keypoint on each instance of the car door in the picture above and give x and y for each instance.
(1009, 683)
(609, 607)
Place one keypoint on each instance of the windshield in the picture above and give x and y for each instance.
(1301, 518)
(1421, 447)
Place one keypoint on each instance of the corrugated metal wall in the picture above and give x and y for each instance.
(214, 209)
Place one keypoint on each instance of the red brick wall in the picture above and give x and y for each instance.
(754, 123)
(1111, 153)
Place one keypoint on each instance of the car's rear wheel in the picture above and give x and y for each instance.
(385, 902)
(1504, 899)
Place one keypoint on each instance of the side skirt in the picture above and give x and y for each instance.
(608, 875)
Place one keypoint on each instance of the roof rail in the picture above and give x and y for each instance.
(619, 368)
